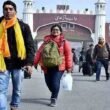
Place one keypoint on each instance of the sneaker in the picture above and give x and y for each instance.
(53, 102)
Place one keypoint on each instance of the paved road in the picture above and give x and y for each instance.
(87, 94)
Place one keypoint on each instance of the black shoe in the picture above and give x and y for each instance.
(53, 102)
(97, 79)
(107, 77)
(13, 108)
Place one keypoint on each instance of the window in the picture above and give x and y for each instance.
(64, 25)
(97, 6)
(100, 6)
(72, 26)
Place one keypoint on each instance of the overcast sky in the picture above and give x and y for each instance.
(51, 4)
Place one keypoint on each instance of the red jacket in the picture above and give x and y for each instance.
(64, 49)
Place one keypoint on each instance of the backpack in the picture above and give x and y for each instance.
(108, 49)
(87, 69)
(50, 55)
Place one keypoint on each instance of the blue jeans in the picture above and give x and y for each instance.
(17, 76)
(52, 79)
(99, 64)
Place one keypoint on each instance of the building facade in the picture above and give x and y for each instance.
(82, 27)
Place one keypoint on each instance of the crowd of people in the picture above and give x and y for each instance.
(92, 59)
(55, 56)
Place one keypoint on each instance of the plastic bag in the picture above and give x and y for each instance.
(66, 82)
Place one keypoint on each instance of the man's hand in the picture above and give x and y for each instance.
(29, 69)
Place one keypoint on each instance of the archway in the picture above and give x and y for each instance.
(72, 31)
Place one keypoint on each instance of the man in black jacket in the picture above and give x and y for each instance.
(16, 52)
(101, 57)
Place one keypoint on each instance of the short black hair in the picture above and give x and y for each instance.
(91, 45)
(56, 25)
(73, 49)
(9, 2)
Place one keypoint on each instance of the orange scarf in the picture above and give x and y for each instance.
(101, 45)
(4, 47)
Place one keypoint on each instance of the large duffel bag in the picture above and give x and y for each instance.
(87, 69)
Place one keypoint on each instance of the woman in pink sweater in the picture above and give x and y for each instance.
(54, 74)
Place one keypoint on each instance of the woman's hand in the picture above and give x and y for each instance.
(69, 70)
(35, 67)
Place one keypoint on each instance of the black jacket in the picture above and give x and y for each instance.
(101, 52)
(89, 56)
(14, 62)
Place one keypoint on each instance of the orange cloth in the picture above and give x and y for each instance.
(4, 47)
(101, 45)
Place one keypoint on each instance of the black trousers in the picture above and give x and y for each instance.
(52, 79)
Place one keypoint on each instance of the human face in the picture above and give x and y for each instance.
(101, 40)
(56, 31)
(9, 12)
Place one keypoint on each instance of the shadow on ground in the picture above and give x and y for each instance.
(42, 101)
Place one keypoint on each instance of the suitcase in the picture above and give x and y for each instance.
(87, 69)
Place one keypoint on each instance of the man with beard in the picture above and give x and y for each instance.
(101, 57)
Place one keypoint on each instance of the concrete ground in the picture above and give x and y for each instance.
(87, 94)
